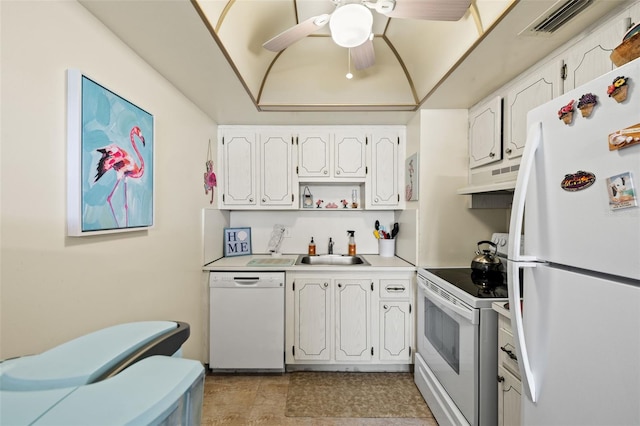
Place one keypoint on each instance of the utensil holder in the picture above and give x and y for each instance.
(387, 247)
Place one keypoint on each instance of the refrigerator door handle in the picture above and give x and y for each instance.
(517, 327)
(534, 138)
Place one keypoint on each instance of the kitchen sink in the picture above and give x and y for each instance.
(331, 259)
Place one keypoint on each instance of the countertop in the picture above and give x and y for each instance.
(237, 263)
(499, 308)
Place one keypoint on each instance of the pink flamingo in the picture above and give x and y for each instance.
(116, 158)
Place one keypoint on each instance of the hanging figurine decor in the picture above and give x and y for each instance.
(209, 176)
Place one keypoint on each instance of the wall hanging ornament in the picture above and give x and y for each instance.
(210, 180)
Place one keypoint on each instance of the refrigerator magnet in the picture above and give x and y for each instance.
(577, 181)
(625, 137)
(618, 89)
(622, 193)
(566, 112)
(586, 103)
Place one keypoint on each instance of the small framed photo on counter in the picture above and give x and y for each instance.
(237, 242)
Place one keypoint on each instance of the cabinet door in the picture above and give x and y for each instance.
(353, 320)
(485, 133)
(276, 170)
(312, 316)
(590, 57)
(383, 180)
(349, 155)
(314, 150)
(239, 165)
(509, 397)
(532, 91)
(395, 330)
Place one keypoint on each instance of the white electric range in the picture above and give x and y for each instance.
(457, 360)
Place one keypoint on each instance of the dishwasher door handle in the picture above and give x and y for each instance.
(246, 280)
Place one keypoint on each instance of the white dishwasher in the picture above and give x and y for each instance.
(246, 321)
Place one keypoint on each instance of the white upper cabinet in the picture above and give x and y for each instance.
(485, 133)
(541, 86)
(257, 169)
(387, 173)
(332, 155)
(350, 154)
(314, 154)
(265, 167)
(239, 173)
(590, 57)
(277, 179)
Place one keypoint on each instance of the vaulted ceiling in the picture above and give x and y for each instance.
(411, 55)
(211, 50)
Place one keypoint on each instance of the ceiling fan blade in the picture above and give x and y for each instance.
(297, 32)
(433, 10)
(363, 56)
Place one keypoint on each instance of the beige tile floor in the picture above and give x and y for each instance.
(261, 400)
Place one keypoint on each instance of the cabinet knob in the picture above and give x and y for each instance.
(508, 151)
(492, 154)
(376, 200)
(326, 284)
(251, 200)
(337, 172)
(325, 172)
(264, 200)
(385, 307)
(340, 285)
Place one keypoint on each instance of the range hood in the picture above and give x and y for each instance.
(507, 186)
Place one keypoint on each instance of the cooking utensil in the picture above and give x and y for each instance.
(485, 260)
(395, 229)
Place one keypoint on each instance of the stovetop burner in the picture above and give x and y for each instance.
(482, 285)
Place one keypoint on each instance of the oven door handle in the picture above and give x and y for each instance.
(442, 303)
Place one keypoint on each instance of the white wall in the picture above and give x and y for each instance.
(54, 288)
(448, 230)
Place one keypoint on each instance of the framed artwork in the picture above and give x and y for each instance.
(411, 178)
(237, 241)
(110, 160)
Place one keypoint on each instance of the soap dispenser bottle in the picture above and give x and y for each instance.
(352, 243)
(312, 248)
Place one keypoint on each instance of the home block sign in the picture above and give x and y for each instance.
(237, 241)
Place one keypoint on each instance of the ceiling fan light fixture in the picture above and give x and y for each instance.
(351, 25)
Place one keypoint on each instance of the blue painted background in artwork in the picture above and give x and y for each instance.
(108, 120)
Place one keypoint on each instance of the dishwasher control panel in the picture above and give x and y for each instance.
(246, 279)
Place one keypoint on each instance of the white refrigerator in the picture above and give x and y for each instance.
(576, 200)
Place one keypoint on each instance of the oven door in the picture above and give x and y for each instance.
(448, 337)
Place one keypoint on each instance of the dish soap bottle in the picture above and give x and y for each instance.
(352, 243)
(312, 248)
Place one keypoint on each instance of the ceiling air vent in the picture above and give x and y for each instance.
(554, 18)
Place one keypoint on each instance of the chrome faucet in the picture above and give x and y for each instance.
(330, 245)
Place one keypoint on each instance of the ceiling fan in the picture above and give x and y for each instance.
(351, 23)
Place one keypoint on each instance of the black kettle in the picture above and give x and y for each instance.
(485, 260)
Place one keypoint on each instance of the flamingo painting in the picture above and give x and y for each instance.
(117, 159)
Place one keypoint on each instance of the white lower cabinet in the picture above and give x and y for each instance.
(395, 330)
(343, 318)
(509, 398)
(312, 319)
(353, 320)
(509, 384)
